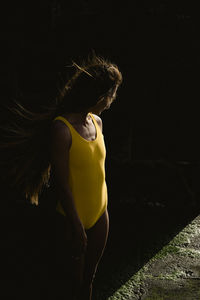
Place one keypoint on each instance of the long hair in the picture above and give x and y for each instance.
(24, 150)
(26, 135)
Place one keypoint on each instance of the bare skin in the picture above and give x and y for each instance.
(87, 246)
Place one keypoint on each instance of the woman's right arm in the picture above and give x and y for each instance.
(60, 146)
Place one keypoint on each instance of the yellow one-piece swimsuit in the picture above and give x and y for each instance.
(87, 175)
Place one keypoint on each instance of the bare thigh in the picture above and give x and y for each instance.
(97, 238)
(81, 272)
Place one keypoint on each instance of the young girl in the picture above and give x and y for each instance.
(76, 162)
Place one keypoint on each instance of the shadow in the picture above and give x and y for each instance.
(150, 202)
(22, 248)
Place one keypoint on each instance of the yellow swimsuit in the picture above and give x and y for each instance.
(87, 175)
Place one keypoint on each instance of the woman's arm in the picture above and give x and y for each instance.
(60, 146)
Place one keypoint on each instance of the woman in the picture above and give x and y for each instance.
(75, 162)
(78, 158)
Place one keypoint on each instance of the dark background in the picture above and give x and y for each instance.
(151, 131)
(156, 46)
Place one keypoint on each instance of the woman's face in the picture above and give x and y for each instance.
(105, 102)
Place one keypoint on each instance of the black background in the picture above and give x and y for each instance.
(151, 131)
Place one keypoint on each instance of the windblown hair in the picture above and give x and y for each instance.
(24, 151)
(25, 136)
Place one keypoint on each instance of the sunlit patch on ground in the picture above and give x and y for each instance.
(173, 273)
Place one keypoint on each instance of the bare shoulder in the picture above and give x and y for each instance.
(60, 133)
(99, 121)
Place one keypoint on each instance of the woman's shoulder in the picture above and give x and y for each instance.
(98, 120)
(60, 131)
(58, 125)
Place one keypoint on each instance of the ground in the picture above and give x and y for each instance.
(172, 272)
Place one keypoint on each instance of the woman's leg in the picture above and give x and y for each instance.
(97, 238)
(80, 273)
(69, 270)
